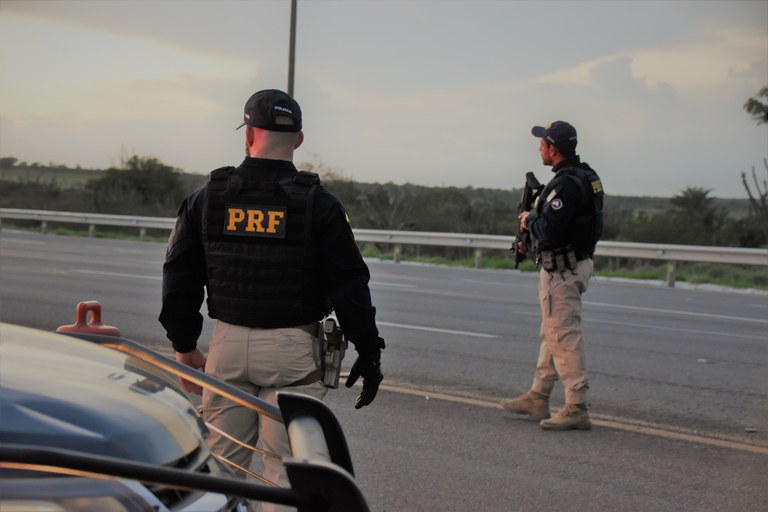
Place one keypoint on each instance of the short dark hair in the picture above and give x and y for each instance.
(567, 151)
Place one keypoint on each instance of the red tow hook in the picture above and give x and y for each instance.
(95, 326)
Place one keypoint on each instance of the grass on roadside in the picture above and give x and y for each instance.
(152, 235)
(732, 276)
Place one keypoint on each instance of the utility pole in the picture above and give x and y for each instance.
(292, 48)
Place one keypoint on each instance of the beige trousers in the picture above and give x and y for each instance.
(562, 348)
(260, 362)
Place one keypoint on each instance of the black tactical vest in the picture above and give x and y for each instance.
(261, 262)
(588, 225)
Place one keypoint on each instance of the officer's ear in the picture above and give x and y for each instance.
(299, 140)
(249, 135)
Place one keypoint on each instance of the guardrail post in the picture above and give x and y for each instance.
(91, 230)
(397, 251)
(478, 258)
(142, 234)
(44, 227)
(671, 274)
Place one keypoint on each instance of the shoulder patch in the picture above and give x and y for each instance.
(556, 203)
(551, 195)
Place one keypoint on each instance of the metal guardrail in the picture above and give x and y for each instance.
(733, 255)
(92, 219)
(478, 242)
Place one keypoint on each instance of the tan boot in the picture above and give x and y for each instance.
(531, 403)
(570, 417)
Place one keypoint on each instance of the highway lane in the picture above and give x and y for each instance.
(682, 360)
(425, 455)
(689, 358)
(44, 277)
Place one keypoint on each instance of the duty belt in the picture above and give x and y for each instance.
(562, 259)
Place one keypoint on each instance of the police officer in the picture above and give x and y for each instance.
(565, 227)
(274, 251)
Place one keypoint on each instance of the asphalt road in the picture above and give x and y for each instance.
(679, 382)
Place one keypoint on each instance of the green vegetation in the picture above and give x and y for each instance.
(757, 106)
(14, 171)
(145, 186)
(133, 234)
(139, 186)
(732, 276)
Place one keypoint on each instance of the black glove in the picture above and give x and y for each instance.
(370, 371)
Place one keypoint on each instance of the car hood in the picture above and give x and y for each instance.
(61, 392)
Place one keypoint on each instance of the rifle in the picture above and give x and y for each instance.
(531, 191)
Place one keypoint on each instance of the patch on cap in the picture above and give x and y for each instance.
(272, 110)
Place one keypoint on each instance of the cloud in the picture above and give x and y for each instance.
(710, 62)
(91, 77)
(219, 28)
(711, 57)
(426, 92)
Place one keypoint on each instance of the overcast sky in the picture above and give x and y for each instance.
(427, 92)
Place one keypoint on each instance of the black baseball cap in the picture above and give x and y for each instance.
(263, 108)
(560, 134)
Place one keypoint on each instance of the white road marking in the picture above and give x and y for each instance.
(677, 329)
(23, 241)
(393, 285)
(626, 424)
(678, 312)
(117, 274)
(434, 329)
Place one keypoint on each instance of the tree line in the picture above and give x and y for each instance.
(146, 186)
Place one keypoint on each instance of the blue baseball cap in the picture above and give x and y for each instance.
(559, 133)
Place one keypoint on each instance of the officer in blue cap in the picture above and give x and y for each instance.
(565, 226)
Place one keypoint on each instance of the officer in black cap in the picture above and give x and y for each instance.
(565, 227)
(275, 252)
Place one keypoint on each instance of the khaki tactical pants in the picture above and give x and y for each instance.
(260, 362)
(562, 349)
